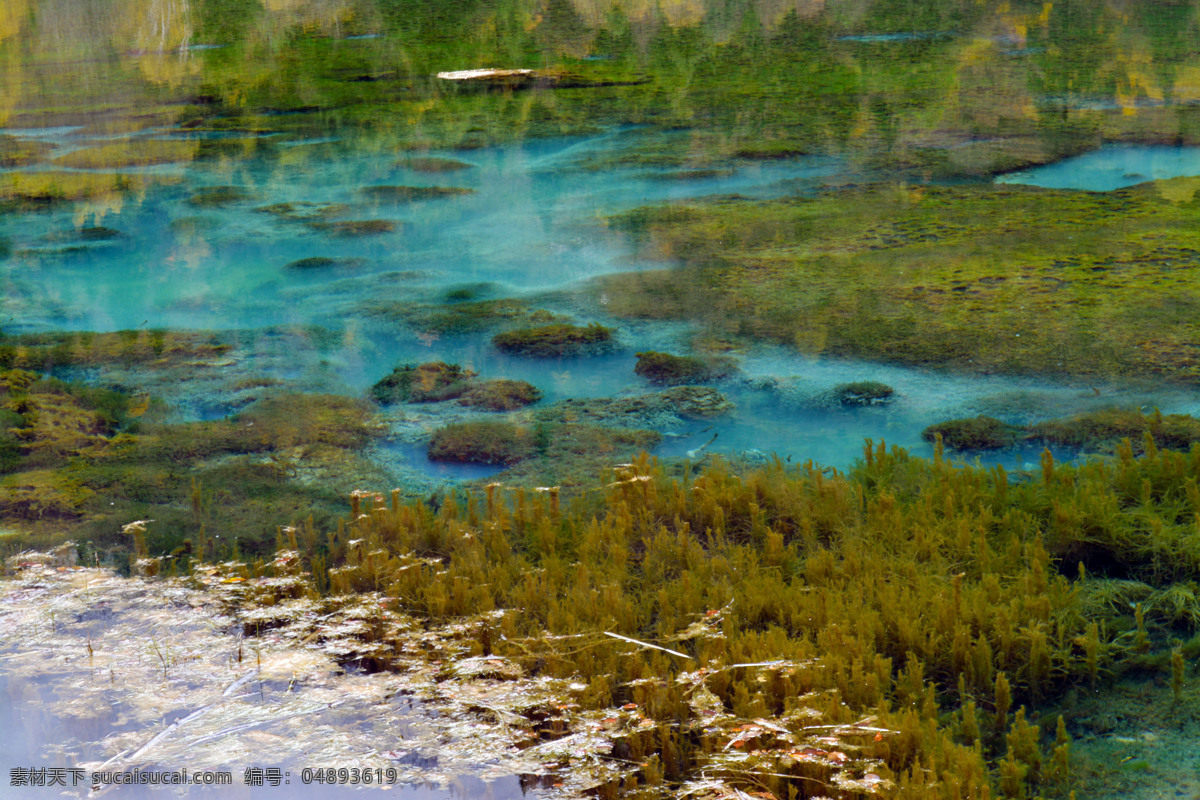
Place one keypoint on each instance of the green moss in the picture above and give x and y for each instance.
(911, 276)
(303, 212)
(99, 233)
(470, 317)
(555, 341)
(288, 420)
(16, 152)
(1104, 430)
(355, 228)
(408, 194)
(863, 393)
(422, 383)
(312, 262)
(433, 164)
(36, 190)
(44, 351)
(483, 442)
(501, 395)
(219, 196)
(668, 369)
(973, 433)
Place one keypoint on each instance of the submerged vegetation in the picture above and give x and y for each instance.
(1106, 430)
(435, 381)
(667, 369)
(559, 340)
(979, 279)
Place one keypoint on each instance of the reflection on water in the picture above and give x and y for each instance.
(104, 675)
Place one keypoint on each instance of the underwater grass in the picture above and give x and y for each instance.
(980, 279)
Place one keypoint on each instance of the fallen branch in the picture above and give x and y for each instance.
(646, 644)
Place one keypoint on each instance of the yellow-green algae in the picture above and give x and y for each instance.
(888, 632)
(80, 461)
(985, 279)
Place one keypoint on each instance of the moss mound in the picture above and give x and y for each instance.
(465, 316)
(555, 341)
(501, 395)
(863, 393)
(219, 197)
(434, 165)
(423, 383)
(355, 227)
(483, 442)
(408, 194)
(973, 433)
(312, 262)
(1105, 429)
(667, 369)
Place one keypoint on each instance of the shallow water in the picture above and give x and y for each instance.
(66, 708)
(531, 229)
(1112, 167)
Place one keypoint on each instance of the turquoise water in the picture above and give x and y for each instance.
(1112, 167)
(532, 227)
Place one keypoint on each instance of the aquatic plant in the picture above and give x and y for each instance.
(45, 351)
(483, 442)
(32, 191)
(219, 196)
(501, 395)
(312, 262)
(863, 393)
(665, 368)
(357, 227)
(433, 164)
(973, 433)
(889, 274)
(464, 316)
(555, 341)
(422, 383)
(408, 194)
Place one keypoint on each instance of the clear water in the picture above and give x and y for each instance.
(1112, 167)
(532, 229)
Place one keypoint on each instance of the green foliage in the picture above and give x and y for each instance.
(668, 369)
(555, 341)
